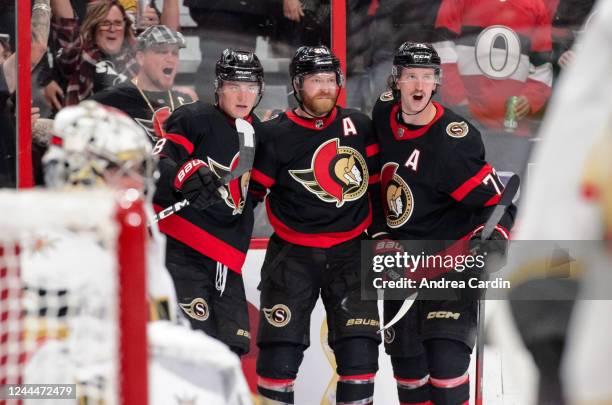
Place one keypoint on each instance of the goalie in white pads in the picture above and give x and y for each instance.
(99, 147)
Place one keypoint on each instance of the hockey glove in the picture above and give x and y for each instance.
(494, 249)
(197, 183)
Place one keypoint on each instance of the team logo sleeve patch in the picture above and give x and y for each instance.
(457, 129)
(386, 96)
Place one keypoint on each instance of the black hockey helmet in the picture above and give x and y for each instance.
(314, 59)
(419, 55)
(414, 55)
(240, 66)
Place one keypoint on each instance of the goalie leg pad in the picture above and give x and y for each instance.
(448, 366)
(412, 379)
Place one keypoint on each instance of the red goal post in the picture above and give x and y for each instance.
(72, 289)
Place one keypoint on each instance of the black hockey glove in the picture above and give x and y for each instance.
(197, 183)
(494, 249)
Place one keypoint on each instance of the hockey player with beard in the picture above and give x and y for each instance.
(207, 244)
(319, 162)
(149, 97)
(435, 185)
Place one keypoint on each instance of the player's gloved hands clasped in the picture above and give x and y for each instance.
(197, 183)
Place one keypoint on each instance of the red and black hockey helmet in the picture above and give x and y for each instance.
(240, 66)
(314, 59)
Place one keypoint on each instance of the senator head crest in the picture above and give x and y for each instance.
(337, 173)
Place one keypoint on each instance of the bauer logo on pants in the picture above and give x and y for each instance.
(196, 309)
(279, 315)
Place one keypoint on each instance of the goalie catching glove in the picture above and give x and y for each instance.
(197, 183)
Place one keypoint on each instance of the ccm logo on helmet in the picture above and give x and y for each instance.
(187, 170)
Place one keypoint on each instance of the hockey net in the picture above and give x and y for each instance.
(73, 306)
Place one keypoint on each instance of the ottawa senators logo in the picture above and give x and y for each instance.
(389, 335)
(337, 173)
(399, 202)
(196, 309)
(234, 193)
(278, 316)
(457, 129)
(155, 126)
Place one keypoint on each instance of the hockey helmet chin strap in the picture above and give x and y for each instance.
(422, 109)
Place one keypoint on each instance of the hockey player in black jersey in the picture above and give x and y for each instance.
(149, 98)
(207, 245)
(319, 162)
(436, 185)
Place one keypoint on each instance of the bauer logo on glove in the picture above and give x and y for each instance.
(197, 183)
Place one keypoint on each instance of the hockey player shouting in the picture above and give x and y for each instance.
(207, 245)
(435, 185)
(318, 161)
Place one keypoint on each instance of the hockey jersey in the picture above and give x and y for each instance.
(127, 98)
(494, 50)
(434, 180)
(223, 230)
(318, 172)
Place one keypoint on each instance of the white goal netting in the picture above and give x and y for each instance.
(61, 259)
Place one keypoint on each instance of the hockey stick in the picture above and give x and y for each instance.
(497, 214)
(406, 305)
(246, 139)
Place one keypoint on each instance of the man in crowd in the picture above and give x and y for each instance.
(149, 97)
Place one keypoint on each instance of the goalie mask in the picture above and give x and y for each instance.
(93, 145)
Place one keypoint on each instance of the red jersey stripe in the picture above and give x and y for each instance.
(320, 240)
(198, 239)
(262, 179)
(181, 140)
(463, 190)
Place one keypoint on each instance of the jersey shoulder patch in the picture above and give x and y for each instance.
(457, 129)
(386, 96)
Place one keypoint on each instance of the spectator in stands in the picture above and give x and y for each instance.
(149, 98)
(298, 23)
(375, 30)
(40, 21)
(223, 24)
(492, 51)
(97, 53)
(49, 78)
(570, 18)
